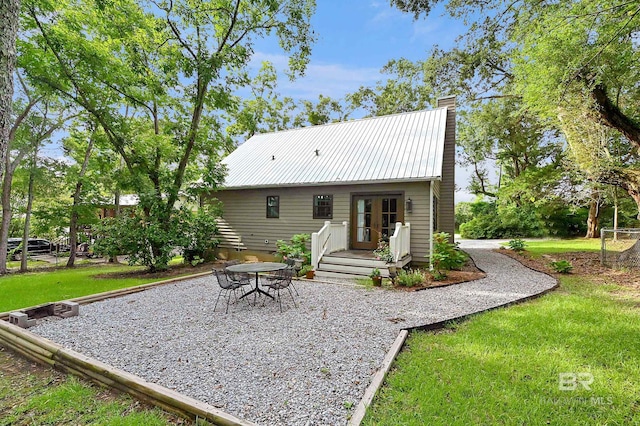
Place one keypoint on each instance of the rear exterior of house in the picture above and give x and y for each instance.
(350, 183)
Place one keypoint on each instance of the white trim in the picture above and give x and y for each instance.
(430, 225)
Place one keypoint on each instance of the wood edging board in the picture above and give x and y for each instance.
(83, 300)
(46, 352)
(378, 379)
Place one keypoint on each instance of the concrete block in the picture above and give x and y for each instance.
(21, 320)
(68, 309)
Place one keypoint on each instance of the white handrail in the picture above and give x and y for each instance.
(400, 242)
(330, 238)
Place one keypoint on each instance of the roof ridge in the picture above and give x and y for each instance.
(355, 120)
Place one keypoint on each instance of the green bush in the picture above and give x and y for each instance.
(562, 266)
(446, 256)
(150, 238)
(410, 278)
(517, 245)
(296, 249)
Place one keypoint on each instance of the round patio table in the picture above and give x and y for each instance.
(257, 268)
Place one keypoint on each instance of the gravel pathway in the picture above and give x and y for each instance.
(305, 366)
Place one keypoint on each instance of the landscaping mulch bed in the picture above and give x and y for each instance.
(469, 272)
(584, 263)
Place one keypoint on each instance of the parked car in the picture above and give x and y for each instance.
(34, 246)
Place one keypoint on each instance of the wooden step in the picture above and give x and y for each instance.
(369, 263)
(362, 271)
(337, 276)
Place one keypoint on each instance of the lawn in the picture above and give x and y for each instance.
(505, 366)
(540, 247)
(33, 288)
(34, 395)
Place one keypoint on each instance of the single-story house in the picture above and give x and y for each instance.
(349, 184)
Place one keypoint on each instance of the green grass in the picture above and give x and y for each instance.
(15, 264)
(33, 288)
(32, 395)
(537, 248)
(503, 367)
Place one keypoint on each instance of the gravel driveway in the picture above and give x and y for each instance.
(306, 365)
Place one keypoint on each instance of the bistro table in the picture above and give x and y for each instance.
(257, 268)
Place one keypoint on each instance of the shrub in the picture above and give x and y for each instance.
(562, 266)
(410, 278)
(150, 238)
(446, 256)
(375, 273)
(517, 245)
(297, 249)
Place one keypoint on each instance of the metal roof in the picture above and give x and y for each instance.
(399, 147)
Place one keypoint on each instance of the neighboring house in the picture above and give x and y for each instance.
(382, 177)
(125, 202)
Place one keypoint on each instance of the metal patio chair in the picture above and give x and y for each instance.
(281, 280)
(227, 286)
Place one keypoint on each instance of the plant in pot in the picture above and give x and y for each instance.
(383, 252)
(307, 271)
(375, 277)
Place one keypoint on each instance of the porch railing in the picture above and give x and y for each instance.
(330, 238)
(400, 242)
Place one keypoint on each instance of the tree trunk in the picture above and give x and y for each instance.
(593, 219)
(27, 219)
(6, 216)
(9, 13)
(73, 224)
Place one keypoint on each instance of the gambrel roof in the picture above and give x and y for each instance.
(394, 148)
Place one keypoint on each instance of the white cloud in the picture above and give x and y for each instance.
(424, 29)
(334, 80)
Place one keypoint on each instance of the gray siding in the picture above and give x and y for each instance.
(245, 211)
(446, 216)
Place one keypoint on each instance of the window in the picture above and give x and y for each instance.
(273, 206)
(323, 206)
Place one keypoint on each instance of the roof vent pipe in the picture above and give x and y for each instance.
(317, 152)
(273, 157)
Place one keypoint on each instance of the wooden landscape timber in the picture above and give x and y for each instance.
(49, 353)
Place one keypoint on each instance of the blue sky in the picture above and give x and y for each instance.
(355, 40)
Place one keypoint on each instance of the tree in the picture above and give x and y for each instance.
(503, 132)
(39, 117)
(408, 88)
(9, 19)
(156, 77)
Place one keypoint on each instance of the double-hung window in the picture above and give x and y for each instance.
(273, 206)
(323, 206)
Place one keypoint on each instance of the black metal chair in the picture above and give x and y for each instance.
(228, 286)
(291, 263)
(280, 280)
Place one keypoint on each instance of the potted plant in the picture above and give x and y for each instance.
(307, 271)
(383, 252)
(375, 277)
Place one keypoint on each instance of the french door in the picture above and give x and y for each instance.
(374, 216)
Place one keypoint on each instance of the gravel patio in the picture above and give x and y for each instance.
(305, 366)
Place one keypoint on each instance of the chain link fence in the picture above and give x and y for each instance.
(620, 248)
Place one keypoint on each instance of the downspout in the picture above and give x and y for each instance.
(430, 224)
